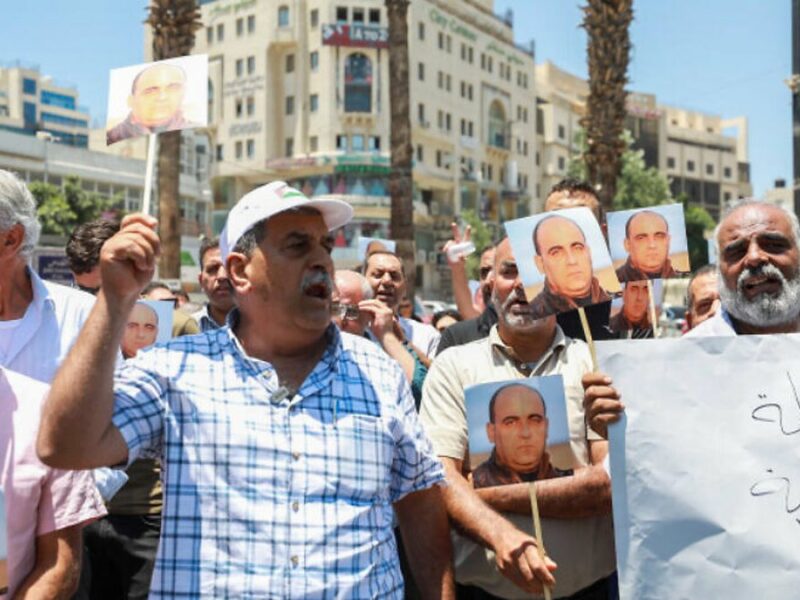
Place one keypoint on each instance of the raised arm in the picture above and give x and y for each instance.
(76, 431)
(458, 272)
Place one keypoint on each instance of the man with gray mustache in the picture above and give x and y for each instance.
(287, 448)
(759, 290)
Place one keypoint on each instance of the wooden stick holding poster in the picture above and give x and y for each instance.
(537, 528)
(152, 150)
(587, 332)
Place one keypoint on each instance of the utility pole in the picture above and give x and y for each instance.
(795, 80)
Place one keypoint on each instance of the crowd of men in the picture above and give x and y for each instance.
(297, 436)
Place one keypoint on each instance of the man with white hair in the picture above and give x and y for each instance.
(39, 321)
(759, 290)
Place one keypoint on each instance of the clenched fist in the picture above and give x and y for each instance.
(128, 259)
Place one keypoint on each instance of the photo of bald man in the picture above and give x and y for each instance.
(650, 245)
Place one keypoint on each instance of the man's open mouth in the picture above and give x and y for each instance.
(318, 290)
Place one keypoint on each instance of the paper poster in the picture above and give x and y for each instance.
(156, 97)
(150, 322)
(368, 245)
(563, 260)
(649, 243)
(712, 251)
(518, 431)
(631, 310)
(705, 466)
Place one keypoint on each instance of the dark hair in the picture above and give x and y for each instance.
(145, 70)
(447, 312)
(503, 388)
(572, 185)
(705, 270)
(85, 242)
(155, 285)
(548, 218)
(206, 244)
(251, 238)
(642, 212)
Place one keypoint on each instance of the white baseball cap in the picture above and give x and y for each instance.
(269, 200)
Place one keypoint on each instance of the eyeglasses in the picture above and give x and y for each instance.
(348, 312)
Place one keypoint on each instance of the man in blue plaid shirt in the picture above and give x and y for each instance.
(285, 445)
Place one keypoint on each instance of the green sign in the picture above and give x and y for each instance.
(221, 10)
(363, 169)
(454, 26)
(512, 58)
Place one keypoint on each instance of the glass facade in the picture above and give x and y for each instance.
(358, 83)
(29, 86)
(62, 120)
(60, 100)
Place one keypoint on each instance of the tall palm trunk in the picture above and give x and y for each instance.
(173, 23)
(400, 182)
(606, 22)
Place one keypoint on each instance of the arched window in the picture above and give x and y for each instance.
(358, 83)
(497, 125)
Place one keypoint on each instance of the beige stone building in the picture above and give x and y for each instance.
(299, 91)
(703, 155)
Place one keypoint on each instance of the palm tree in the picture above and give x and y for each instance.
(173, 23)
(400, 182)
(606, 23)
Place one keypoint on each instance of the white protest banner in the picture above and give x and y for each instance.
(705, 467)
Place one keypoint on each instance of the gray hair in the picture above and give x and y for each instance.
(790, 215)
(256, 234)
(366, 288)
(17, 207)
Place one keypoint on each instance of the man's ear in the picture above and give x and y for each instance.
(13, 240)
(237, 268)
(539, 263)
(490, 432)
(627, 245)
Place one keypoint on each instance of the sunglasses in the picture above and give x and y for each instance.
(347, 312)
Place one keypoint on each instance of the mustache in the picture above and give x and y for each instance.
(317, 278)
(765, 270)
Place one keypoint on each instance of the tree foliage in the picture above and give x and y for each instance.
(480, 235)
(61, 209)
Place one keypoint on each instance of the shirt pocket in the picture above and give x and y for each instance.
(360, 453)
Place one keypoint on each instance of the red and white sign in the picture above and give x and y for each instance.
(355, 36)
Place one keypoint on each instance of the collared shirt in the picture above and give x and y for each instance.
(38, 499)
(205, 320)
(268, 494)
(720, 325)
(50, 326)
(583, 548)
(425, 337)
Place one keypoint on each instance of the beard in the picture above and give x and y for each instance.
(521, 320)
(764, 310)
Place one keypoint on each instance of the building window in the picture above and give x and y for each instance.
(55, 99)
(251, 106)
(727, 172)
(220, 32)
(375, 16)
(374, 143)
(341, 14)
(29, 115)
(289, 105)
(440, 39)
(357, 142)
(439, 158)
(209, 35)
(690, 165)
(448, 122)
(421, 30)
(289, 146)
(489, 63)
(538, 159)
(313, 143)
(283, 16)
(709, 169)
(421, 113)
(497, 125)
(290, 63)
(562, 163)
(239, 27)
(251, 65)
(483, 61)
(358, 83)
(314, 18)
(239, 108)
(341, 143)
(448, 82)
(238, 150)
(420, 153)
(313, 60)
(670, 162)
(421, 71)
(726, 196)
(239, 67)
(251, 148)
(358, 15)
(470, 129)
(440, 119)
(251, 24)
(313, 103)
(562, 133)
(220, 154)
(439, 79)
(448, 43)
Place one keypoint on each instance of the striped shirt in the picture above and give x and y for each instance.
(268, 495)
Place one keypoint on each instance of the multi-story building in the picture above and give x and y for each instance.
(299, 90)
(704, 156)
(32, 103)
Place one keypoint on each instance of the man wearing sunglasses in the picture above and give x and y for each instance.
(355, 311)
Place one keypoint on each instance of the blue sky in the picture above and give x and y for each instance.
(726, 57)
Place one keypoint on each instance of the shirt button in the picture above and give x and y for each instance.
(296, 455)
(295, 506)
(295, 560)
